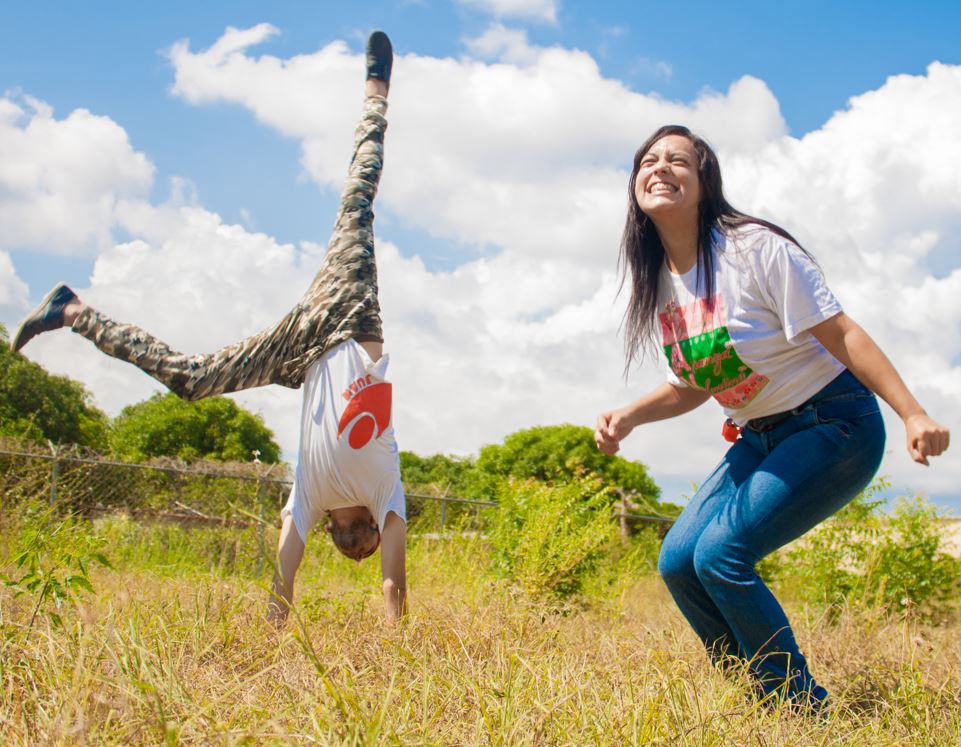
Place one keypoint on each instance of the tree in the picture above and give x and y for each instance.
(213, 428)
(558, 453)
(440, 471)
(39, 406)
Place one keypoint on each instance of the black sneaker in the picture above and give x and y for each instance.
(46, 317)
(380, 57)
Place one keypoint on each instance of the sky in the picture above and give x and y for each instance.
(179, 164)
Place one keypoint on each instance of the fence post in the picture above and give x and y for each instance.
(443, 508)
(262, 489)
(625, 532)
(54, 471)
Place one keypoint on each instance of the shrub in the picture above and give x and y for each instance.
(560, 453)
(862, 556)
(41, 407)
(214, 428)
(548, 538)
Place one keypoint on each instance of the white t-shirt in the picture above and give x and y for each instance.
(752, 350)
(348, 455)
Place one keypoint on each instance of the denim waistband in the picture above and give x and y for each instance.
(844, 385)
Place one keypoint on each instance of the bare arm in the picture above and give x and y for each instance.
(290, 551)
(845, 339)
(393, 566)
(666, 401)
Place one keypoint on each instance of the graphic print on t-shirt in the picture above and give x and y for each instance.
(367, 414)
(698, 345)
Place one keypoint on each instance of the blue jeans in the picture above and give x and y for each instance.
(770, 488)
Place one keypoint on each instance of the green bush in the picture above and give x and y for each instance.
(865, 557)
(213, 428)
(41, 407)
(549, 538)
(560, 453)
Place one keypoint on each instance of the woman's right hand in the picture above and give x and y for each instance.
(612, 426)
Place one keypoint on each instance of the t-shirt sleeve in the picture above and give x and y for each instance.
(396, 503)
(795, 288)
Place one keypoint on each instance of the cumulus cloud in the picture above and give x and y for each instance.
(61, 179)
(13, 291)
(538, 10)
(490, 154)
(504, 45)
(528, 157)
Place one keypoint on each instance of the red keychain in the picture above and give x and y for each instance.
(730, 430)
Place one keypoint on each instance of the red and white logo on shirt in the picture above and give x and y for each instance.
(367, 414)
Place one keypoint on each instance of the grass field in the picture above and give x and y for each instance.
(171, 648)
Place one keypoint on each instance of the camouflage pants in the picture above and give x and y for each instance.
(340, 304)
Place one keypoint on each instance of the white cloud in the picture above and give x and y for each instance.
(60, 179)
(538, 10)
(13, 291)
(530, 157)
(488, 154)
(504, 45)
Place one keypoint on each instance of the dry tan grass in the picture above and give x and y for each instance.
(158, 658)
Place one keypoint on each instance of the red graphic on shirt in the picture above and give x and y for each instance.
(367, 414)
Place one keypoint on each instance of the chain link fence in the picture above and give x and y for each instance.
(207, 492)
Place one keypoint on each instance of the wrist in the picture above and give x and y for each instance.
(913, 412)
(632, 415)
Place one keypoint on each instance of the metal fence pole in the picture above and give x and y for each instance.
(262, 489)
(54, 472)
(625, 531)
(443, 508)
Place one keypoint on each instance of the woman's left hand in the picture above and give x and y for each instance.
(926, 438)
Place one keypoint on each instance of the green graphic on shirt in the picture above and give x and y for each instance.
(710, 358)
(707, 359)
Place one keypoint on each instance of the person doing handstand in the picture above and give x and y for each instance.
(348, 469)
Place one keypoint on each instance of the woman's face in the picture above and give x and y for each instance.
(667, 185)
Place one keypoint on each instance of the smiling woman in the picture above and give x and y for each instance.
(743, 314)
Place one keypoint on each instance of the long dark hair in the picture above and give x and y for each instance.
(642, 253)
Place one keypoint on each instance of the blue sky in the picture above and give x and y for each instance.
(108, 57)
(216, 149)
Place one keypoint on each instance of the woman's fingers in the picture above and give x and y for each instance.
(604, 435)
(926, 438)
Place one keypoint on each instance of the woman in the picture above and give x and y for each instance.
(743, 314)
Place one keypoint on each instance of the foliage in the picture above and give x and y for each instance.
(42, 407)
(862, 556)
(438, 471)
(214, 428)
(52, 556)
(549, 538)
(620, 569)
(559, 453)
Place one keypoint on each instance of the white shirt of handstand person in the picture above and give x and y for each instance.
(348, 470)
(348, 454)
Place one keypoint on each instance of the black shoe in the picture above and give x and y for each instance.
(380, 57)
(46, 317)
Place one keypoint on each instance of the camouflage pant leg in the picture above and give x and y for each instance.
(341, 302)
